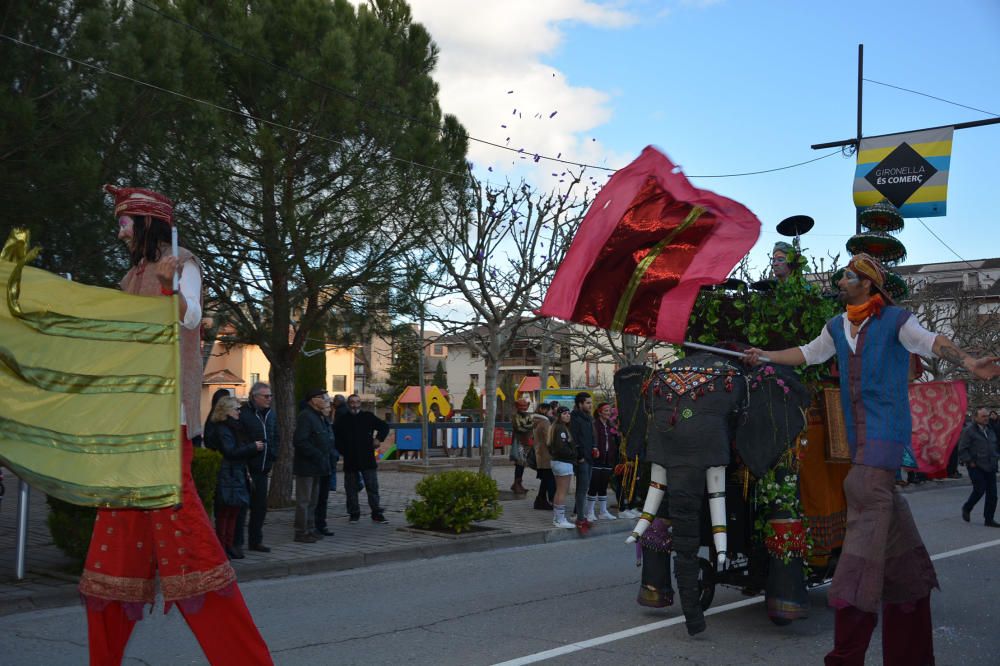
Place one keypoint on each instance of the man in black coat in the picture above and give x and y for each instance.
(977, 450)
(261, 425)
(313, 442)
(581, 427)
(358, 435)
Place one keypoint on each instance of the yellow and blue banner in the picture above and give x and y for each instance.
(89, 390)
(910, 170)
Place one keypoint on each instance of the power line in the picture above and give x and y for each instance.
(242, 114)
(943, 243)
(384, 109)
(940, 99)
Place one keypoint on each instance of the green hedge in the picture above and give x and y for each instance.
(452, 501)
(71, 525)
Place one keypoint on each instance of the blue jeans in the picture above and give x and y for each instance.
(582, 485)
(983, 483)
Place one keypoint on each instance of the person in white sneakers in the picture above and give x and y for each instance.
(605, 454)
(563, 452)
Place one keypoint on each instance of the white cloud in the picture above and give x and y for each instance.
(491, 47)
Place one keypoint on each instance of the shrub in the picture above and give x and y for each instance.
(452, 501)
(71, 524)
(205, 471)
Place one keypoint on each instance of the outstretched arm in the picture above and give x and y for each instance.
(983, 368)
(790, 356)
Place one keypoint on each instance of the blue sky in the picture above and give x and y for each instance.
(733, 86)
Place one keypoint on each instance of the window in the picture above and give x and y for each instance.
(254, 378)
(473, 353)
(474, 378)
(438, 350)
(338, 382)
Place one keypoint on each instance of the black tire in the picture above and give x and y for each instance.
(706, 583)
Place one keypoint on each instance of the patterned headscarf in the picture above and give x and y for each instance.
(868, 267)
(139, 201)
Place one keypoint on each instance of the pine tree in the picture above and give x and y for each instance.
(440, 377)
(404, 370)
(471, 399)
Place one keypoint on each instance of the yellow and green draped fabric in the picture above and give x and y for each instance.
(89, 391)
(910, 170)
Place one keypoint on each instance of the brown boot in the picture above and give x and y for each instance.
(519, 488)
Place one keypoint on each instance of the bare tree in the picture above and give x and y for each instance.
(970, 317)
(499, 247)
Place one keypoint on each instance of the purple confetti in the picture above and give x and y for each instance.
(555, 175)
(511, 92)
(559, 155)
(489, 168)
(503, 126)
(514, 113)
(553, 114)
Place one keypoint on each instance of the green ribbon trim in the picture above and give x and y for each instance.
(71, 382)
(625, 304)
(147, 441)
(16, 251)
(144, 497)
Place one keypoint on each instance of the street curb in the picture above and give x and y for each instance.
(67, 595)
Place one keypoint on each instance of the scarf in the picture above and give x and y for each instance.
(856, 314)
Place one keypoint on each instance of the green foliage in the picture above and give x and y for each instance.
(471, 399)
(440, 377)
(71, 526)
(793, 313)
(310, 371)
(205, 471)
(452, 501)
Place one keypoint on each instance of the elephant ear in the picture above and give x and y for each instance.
(773, 419)
(633, 418)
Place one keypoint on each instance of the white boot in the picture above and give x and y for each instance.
(602, 509)
(559, 517)
(588, 513)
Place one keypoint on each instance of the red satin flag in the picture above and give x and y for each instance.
(648, 243)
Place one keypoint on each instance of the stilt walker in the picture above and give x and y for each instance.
(130, 548)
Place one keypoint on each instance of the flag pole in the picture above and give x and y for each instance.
(720, 350)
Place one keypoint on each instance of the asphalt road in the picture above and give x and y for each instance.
(576, 598)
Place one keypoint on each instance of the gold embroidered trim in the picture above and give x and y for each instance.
(192, 584)
(117, 588)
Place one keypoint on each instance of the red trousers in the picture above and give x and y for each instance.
(223, 627)
(907, 635)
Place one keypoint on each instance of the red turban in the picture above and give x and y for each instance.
(139, 201)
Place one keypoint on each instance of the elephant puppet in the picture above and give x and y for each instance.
(694, 405)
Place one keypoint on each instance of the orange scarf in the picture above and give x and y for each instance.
(856, 314)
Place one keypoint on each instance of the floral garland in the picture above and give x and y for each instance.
(789, 537)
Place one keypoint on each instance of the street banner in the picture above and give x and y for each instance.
(649, 242)
(938, 413)
(89, 391)
(909, 170)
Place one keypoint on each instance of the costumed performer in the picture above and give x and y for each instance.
(884, 561)
(131, 547)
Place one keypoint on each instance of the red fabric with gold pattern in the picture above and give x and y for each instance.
(646, 246)
(938, 413)
(130, 546)
(139, 201)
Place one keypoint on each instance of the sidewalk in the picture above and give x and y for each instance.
(48, 584)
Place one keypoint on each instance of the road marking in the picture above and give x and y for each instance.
(663, 624)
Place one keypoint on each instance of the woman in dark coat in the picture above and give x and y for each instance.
(233, 488)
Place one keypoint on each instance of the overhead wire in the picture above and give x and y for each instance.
(384, 109)
(213, 105)
(931, 231)
(940, 99)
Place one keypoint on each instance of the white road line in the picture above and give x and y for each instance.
(663, 624)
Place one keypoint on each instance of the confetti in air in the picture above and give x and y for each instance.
(553, 114)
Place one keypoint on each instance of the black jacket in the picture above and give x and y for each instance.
(230, 439)
(978, 445)
(581, 425)
(313, 443)
(354, 438)
(261, 426)
(561, 446)
(607, 442)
